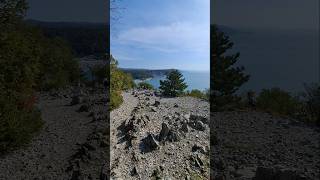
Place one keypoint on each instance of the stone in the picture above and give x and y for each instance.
(150, 143)
(200, 126)
(134, 172)
(173, 136)
(185, 128)
(156, 103)
(186, 116)
(164, 132)
(198, 147)
(195, 117)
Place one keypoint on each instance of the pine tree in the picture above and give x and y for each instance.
(226, 78)
(174, 84)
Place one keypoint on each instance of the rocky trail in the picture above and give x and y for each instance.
(71, 145)
(160, 138)
(256, 145)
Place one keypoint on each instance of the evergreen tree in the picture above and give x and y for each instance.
(174, 84)
(226, 78)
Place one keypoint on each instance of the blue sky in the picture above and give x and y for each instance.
(159, 34)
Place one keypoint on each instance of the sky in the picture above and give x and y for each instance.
(280, 14)
(95, 11)
(161, 34)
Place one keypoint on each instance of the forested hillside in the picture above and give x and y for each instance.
(84, 38)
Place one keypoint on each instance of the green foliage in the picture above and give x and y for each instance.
(84, 38)
(198, 94)
(11, 13)
(174, 84)
(226, 78)
(17, 125)
(58, 67)
(99, 73)
(29, 61)
(311, 103)
(277, 101)
(145, 85)
(115, 99)
(119, 81)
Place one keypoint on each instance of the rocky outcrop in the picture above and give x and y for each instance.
(164, 137)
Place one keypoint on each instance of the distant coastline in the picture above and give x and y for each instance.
(195, 79)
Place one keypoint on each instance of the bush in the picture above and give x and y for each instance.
(198, 94)
(119, 81)
(145, 85)
(277, 101)
(17, 125)
(173, 85)
(29, 62)
(115, 99)
(311, 100)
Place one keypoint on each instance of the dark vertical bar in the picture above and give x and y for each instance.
(108, 55)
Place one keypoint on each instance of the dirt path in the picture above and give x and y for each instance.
(51, 153)
(118, 116)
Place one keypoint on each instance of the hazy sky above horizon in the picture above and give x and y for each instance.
(68, 10)
(279, 14)
(161, 34)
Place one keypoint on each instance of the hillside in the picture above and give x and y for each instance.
(84, 38)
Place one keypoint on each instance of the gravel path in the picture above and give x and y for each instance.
(50, 153)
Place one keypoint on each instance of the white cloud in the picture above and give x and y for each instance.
(174, 37)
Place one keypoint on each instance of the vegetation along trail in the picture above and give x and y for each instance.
(70, 144)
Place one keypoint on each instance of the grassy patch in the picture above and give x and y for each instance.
(17, 127)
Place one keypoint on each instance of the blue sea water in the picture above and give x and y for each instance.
(194, 79)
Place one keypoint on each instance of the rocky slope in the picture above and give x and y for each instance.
(155, 138)
(71, 145)
(256, 145)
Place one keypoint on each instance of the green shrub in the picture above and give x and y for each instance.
(145, 85)
(277, 101)
(198, 94)
(58, 67)
(17, 125)
(311, 102)
(115, 99)
(119, 81)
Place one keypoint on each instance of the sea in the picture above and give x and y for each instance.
(194, 79)
(277, 58)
